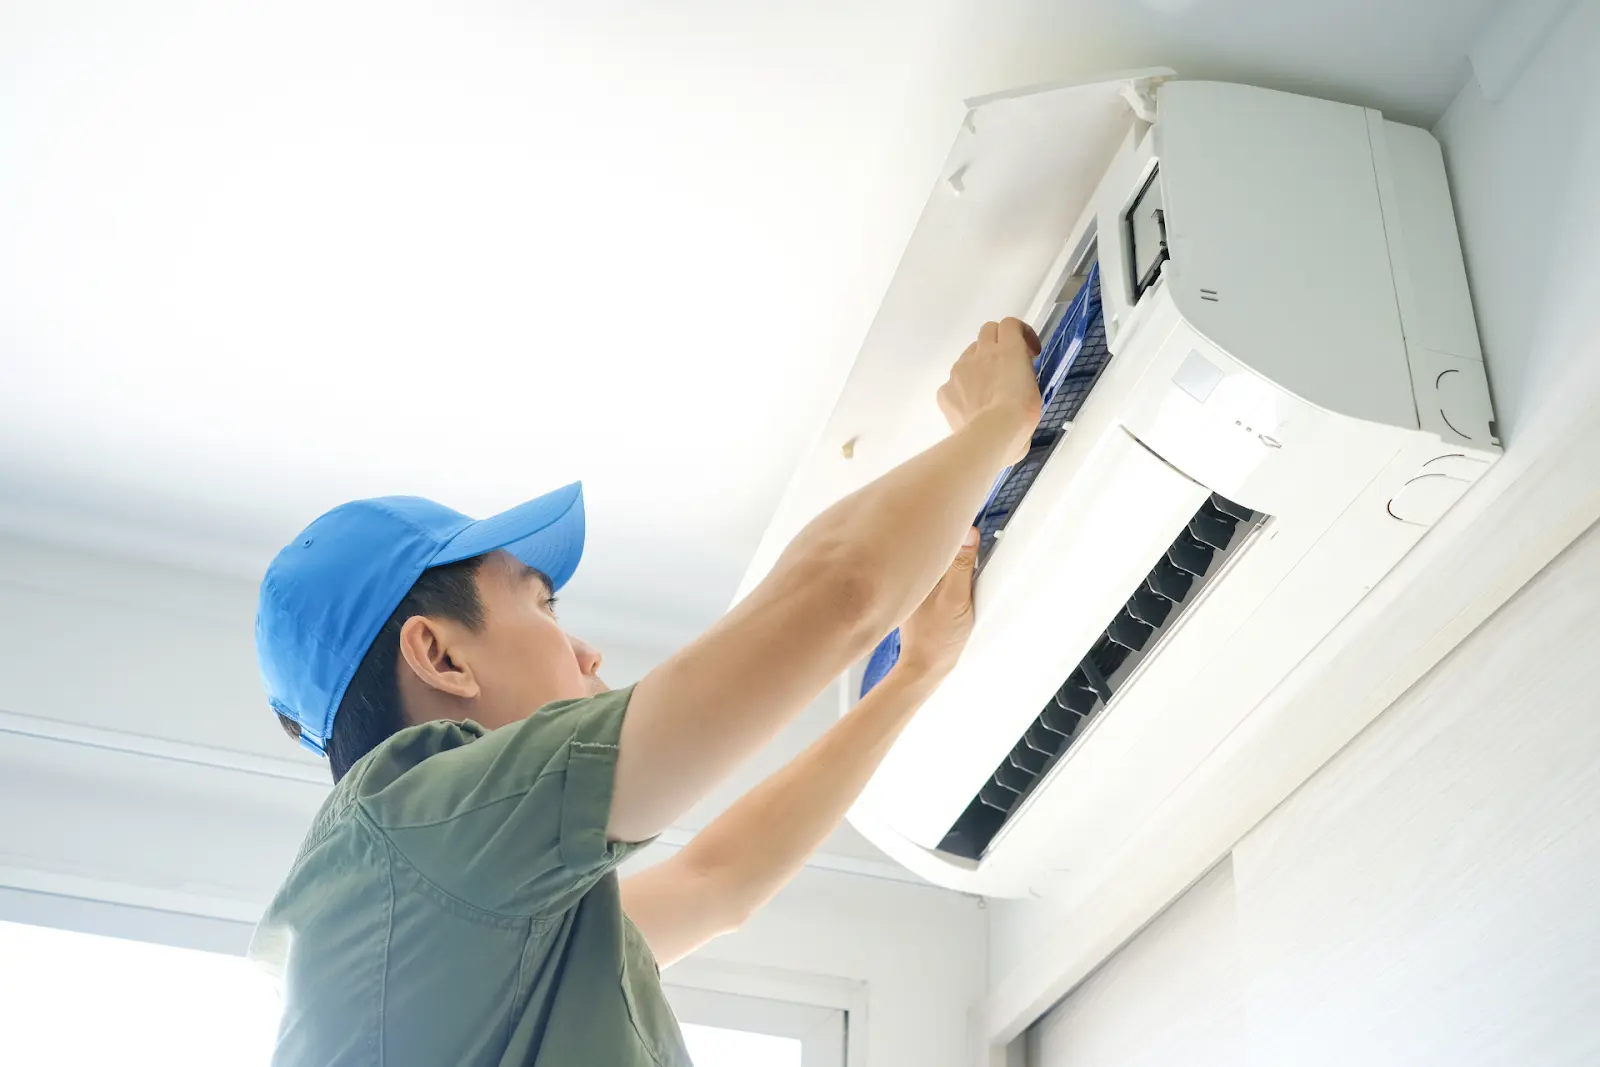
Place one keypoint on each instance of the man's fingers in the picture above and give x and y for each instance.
(989, 334)
(967, 558)
(1024, 331)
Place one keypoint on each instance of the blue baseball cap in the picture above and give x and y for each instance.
(327, 594)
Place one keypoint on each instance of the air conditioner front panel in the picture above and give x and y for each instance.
(1293, 583)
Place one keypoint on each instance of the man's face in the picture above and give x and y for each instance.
(521, 656)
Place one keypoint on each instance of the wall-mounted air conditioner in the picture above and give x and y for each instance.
(1264, 386)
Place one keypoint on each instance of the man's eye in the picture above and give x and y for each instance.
(550, 604)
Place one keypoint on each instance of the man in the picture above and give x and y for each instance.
(455, 900)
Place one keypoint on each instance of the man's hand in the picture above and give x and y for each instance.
(931, 640)
(995, 374)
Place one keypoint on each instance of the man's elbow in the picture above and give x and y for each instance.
(731, 898)
(736, 914)
(846, 590)
(858, 596)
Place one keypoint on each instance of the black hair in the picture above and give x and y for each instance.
(370, 712)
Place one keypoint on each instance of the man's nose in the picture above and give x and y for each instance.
(587, 655)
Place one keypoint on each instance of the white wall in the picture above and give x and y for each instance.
(1427, 898)
(101, 660)
(1522, 169)
(148, 650)
(1172, 995)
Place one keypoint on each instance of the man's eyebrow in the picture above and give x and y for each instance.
(537, 575)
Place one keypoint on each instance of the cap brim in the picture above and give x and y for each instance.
(545, 533)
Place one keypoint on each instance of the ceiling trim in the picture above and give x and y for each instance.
(100, 737)
(108, 918)
(210, 905)
(1509, 38)
(300, 773)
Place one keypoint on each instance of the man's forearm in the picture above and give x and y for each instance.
(759, 843)
(904, 527)
(744, 857)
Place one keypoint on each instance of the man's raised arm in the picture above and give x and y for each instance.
(850, 576)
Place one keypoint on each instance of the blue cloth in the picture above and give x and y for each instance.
(329, 592)
(883, 659)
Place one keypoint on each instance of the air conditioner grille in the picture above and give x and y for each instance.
(1069, 363)
(1072, 358)
(1174, 584)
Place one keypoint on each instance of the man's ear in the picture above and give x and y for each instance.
(431, 649)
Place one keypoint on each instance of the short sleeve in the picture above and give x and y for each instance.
(511, 820)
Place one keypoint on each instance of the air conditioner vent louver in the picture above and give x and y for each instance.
(1195, 557)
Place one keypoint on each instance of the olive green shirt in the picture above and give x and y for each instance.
(456, 902)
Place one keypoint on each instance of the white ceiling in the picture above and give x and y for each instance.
(257, 259)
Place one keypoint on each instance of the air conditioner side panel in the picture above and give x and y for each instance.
(1279, 253)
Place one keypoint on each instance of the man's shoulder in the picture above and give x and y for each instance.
(404, 752)
(437, 772)
(395, 758)
(324, 867)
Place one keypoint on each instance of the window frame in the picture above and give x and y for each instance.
(829, 1015)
